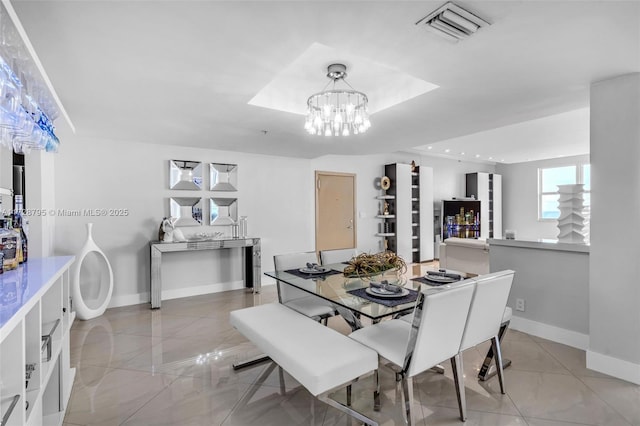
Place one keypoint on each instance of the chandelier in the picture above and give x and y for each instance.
(337, 111)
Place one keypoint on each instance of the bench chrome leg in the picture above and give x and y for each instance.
(250, 362)
(349, 396)
(258, 383)
(324, 397)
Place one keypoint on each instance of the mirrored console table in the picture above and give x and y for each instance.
(250, 252)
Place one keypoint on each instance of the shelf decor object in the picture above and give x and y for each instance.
(186, 210)
(185, 174)
(29, 104)
(223, 177)
(337, 111)
(223, 211)
(96, 279)
(571, 219)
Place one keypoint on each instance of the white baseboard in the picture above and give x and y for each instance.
(203, 289)
(136, 299)
(129, 299)
(615, 367)
(550, 332)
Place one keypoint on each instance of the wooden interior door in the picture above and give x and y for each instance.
(335, 210)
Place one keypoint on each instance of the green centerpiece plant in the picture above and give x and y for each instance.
(367, 265)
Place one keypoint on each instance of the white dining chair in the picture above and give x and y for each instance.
(295, 298)
(328, 257)
(488, 308)
(434, 336)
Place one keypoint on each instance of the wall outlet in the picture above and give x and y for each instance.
(520, 305)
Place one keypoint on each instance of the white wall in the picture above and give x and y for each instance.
(273, 192)
(276, 193)
(520, 197)
(614, 291)
(40, 202)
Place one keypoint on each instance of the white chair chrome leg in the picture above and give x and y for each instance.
(376, 392)
(458, 371)
(407, 387)
(495, 344)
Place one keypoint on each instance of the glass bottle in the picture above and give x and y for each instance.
(9, 243)
(243, 227)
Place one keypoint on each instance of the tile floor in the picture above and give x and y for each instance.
(172, 366)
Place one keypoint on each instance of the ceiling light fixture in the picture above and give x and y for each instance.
(337, 112)
(452, 22)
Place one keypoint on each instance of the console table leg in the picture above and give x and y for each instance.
(256, 256)
(156, 279)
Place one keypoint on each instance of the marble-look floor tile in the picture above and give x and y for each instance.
(528, 355)
(440, 416)
(116, 396)
(540, 422)
(190, 401)
(437, 390)
(112, 350)
(560, 397)
(574, 360)
(174, 365)
(266, 406)
(512, 334)
(623, 396)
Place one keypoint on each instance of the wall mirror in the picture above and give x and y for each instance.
(187, 210)
(185, 174)
(223, 211)
(223, 177)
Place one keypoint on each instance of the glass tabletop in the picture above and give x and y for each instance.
(335, 288)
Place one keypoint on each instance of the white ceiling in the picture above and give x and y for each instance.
(183, 72)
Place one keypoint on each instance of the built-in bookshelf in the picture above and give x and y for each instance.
(407, 227)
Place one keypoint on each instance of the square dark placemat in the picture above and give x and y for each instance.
(389, 302)
(300, 274)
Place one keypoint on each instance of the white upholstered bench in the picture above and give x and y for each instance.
(318, 357)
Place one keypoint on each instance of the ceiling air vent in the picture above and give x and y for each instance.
(452, 22)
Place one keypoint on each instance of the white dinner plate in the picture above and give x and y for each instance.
(380, 292)
(440, 279)
(313, 270)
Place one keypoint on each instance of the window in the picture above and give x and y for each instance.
(550, 178)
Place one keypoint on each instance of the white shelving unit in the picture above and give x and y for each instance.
(35, 319)
(487, 188)
(410, 222)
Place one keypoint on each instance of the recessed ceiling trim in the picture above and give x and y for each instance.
(453, 22)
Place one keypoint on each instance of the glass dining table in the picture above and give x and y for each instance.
(339, 290)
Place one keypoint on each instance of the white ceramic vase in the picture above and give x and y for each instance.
(98, 285)
(571, 220)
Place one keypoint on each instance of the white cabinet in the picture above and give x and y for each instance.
(35, 319)
(408, 228)
(487, 188)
